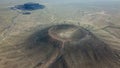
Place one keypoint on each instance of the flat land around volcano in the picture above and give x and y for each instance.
(15, 28)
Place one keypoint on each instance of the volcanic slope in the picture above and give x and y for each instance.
(61, 46)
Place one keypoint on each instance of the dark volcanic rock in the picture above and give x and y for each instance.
(29, 6)
(72, 47)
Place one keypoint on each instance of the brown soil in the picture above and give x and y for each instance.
(76, 47)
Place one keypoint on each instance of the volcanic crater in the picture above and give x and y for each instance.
(75, 44)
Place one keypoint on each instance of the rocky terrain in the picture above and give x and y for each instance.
(19, 33)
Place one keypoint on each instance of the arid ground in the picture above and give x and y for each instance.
(17, 30)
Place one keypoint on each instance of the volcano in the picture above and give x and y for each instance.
(61, 46)
(75, 47)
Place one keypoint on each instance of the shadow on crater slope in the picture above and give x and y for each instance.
(70, 46)
(60, 46)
